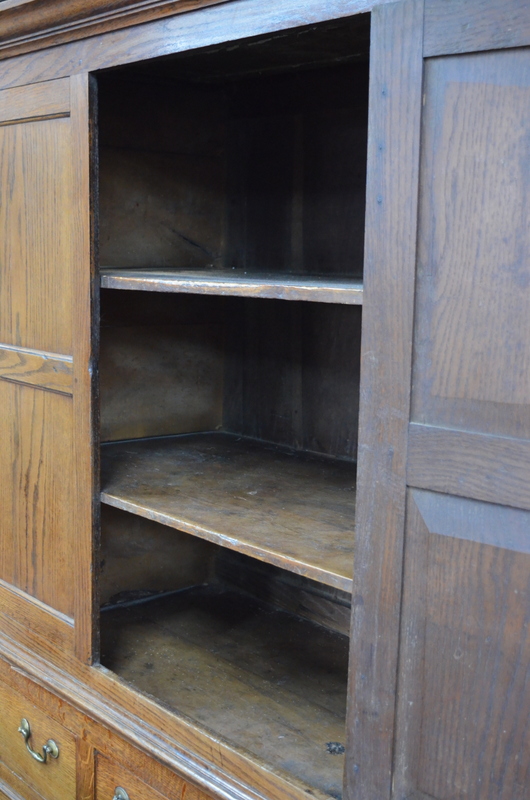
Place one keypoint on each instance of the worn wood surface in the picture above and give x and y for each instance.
(479, 466)
(139, 555)
(472, 320)
(390, 253)
(111, 774)
(37, 101)
(458, 26)
(44, 370)
(234, 283)
(54, 780)
(465, 650)
(284, 590)
(286, 508)
(158, 380)
(228, 22)
(292, 374)
(36, 475)
(276, 685)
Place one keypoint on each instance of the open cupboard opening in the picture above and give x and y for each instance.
(231, 217)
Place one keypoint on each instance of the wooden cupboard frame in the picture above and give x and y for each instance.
(413, 467)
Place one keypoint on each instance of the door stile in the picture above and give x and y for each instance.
(389, 275)
(86, 304)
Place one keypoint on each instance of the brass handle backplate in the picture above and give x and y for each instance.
(50, 748)
(120, 794)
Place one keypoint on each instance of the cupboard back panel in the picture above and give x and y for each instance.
(284, 372)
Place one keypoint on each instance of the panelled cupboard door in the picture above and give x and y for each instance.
(44, 319)
(458, 592)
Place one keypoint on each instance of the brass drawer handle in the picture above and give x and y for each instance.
(49, 749)
(120, 794)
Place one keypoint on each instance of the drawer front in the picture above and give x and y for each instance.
(55, 778)
(111, 777)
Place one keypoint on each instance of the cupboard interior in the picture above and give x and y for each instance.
(229, 423)
(246, 161)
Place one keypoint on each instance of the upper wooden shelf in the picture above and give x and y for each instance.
(325, 289)
(286, 508)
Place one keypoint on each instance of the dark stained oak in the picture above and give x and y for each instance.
(283, 287)
(460, 26)
(275, 687)
(293, 510)
(389, 273)
(465, 654)
(475, 465)
(39, 101)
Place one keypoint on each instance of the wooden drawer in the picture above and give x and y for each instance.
(111, 776)
(54, 779)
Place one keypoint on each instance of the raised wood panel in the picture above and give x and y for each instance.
(461, 26)
(472, 338)
(475, 465)
(36, 252)
(47, 99)
(45, 370)
(389, 273)
(464, 666)
(36, 475)
(29, 621)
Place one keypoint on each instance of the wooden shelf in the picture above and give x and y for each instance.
(265, 681)
(289, 509)
(348, 291)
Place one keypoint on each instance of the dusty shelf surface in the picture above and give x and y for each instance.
(289, 509)
(268, 682)
(322, 289)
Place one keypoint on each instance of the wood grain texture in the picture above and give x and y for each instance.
(29, 26)
(36, 473)
(490, 468)
(472, 320)
(295, 511)
(283, 287)
(37, 101)
(390, 254)
(84, 501)
(111, 774)
(31, 622)
(137, 554)
(160, 379)
(43, 370)
(458, 26)
(54, 780)
(228, 22)
(276, 684)
(464, 661)
(85, 770)
(36, 247)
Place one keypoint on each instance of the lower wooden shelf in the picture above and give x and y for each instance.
(290, 509)
(265, 681)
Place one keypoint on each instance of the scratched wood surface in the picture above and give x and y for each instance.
(46, 370)
(288, 509)
(284, 287)
(276, 684)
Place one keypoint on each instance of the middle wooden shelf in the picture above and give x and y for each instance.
(291, 509)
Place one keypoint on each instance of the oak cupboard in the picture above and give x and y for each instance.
(264, 333)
